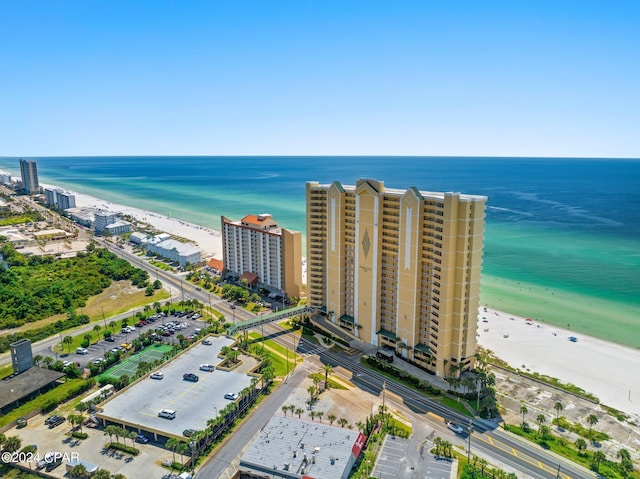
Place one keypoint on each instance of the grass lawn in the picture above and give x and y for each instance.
(118, 298)
(271, 344)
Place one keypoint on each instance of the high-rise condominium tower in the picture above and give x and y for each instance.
(398, 268)
(29, 174)
(256, 244)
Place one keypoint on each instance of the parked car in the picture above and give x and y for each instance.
(109, 339)
(190, 377)
(188, 432)
(21, 422)
(207, 367)
(231, 396)
(157, 375)
(142, 439)
(98, 361)
(167, 413)
(56, 422)
(207, 342)
(82, 351)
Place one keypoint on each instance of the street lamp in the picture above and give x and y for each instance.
(470, 430)
(216, 409)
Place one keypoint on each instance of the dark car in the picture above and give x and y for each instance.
(142, 439)
(190, 377)
(109, 339)
(53, 463)
(51, 418)
(188, 432)
(21, 422)
(56, 422)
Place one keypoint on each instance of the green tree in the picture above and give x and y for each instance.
(78, 472)
(342, 422)
(101, 474)
(299, 411)
(182, 449)
(581, 445)
(48, 360)
(12, 444)
(523, 410)
(328, 370)
(172, 444)
(597, 459)
(558, 407)
(540, 419)
(67, 341)
(36, 359)
(592, 419)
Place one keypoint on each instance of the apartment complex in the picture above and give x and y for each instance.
(29, 174)
(256, 244)
(59, 198)
(398, 268)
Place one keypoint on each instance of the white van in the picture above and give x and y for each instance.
(167, 413)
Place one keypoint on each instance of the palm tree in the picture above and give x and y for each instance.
(12, 444)
(284, 410)
(36, 359)
(88, 337)
(67, 340)
(182, 449)
(101, 474)
(119, 476)
(592, 419)
(108, 431)
(558, 407)
(48, 360)
(331, 418)
(342, 421)
(97, 329)
(540, 419)
(312, 392)
(312, 415)
(597, 458)
(319, 414)
(581, 445)
(523, 411)
(172, 443)
(132, 435)
(78, 472)
(328, 370)
(299, 411)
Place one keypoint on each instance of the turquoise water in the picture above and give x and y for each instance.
(570, 227)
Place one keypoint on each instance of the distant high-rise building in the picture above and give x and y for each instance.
(256, 244)
(21, 355)
(29, 173)
(398, 268)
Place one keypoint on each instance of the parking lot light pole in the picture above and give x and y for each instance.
(470, 430)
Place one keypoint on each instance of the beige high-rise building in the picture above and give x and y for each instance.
(398, 268)
(257, 245)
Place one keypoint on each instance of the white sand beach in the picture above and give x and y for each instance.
(600, 367)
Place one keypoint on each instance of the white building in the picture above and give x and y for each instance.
(118, 228)
(173, 250)
(138, 238)
(103, 219)
(59, 198)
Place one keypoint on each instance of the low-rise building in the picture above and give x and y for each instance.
(50, 234)
(138, 238)
(118, 228)
(82, 216)
(173, 250)
(295, 448)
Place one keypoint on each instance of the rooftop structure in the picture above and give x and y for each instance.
(256, 244)
(289, 447)
(398, 268)
(18, 388)
(173, 250)
(21, 355)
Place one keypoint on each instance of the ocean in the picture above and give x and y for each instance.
(562, 242)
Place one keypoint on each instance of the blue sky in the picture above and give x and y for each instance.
(476, 78)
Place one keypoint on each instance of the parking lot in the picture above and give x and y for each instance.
(99, 349)
(409, 458)
(194, 402)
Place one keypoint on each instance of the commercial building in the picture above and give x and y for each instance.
(118, 227)
(173, 250)
(102, 219)
(29, 174)
(398, 268)
(59, 198)
(256, 244)
(291, 448)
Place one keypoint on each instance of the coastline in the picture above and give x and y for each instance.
(598, 366)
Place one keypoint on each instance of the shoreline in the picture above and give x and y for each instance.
(592, 364)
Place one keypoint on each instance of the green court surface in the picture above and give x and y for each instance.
(130, 365)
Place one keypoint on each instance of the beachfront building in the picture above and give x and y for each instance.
(173, 250)
(118, 228)
(256, 244)
(59, 198)
(398, 268)
(29, 174)
(83, 216)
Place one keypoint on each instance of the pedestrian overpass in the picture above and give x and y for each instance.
(269, 318)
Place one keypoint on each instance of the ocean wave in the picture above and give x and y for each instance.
(508, 210)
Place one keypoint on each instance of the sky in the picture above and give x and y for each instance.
(301, 77)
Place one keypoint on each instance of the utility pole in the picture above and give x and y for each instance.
(470, 430)
(558, 476)
(103, 318)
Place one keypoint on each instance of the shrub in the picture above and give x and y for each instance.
(79, 435)
(122, 447)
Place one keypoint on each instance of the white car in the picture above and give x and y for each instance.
(231, 396)
(455, 428)
(82, 351)
(207, 367)
(207, 342)
(157, 375)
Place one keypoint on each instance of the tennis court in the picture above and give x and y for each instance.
(130, 365)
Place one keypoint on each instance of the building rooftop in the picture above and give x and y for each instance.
(14, 388)
(296, 448)
(185, 249)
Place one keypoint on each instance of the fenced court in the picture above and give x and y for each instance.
(130, 365)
